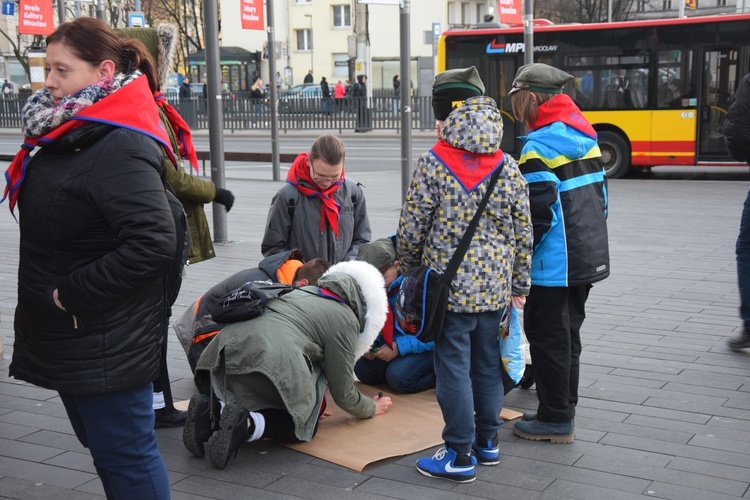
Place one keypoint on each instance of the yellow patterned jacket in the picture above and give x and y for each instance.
(439, 207)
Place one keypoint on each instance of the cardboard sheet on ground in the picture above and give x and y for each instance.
(413, 423)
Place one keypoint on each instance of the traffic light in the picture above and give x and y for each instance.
(691, 4)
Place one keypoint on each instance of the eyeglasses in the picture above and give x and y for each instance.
(321, 178)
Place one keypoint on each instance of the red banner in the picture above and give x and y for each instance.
(252, 15)
(510, 12)
(35, 17)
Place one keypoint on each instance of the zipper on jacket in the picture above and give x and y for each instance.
(75, 322)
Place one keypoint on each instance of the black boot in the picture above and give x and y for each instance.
(740, 342)
(233, 431)
(169, 417)
(202, 421)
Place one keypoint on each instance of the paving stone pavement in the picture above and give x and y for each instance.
(664, 408)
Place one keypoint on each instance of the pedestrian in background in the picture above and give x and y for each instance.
(396, 94)
(339, 93)
(97, 242)
(568, 195)
(359, 96)
(737, 138)
(447, 187)
(185, 89)
(326, 91)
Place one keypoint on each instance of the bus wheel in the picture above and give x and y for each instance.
(615, 154)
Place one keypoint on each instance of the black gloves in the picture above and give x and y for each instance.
(225, 197)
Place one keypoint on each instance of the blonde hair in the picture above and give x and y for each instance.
(328, 148)
(524, 109)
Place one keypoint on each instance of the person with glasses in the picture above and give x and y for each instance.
(318, 211)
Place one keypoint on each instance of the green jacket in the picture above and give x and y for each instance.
(193, 192)
(301, 343)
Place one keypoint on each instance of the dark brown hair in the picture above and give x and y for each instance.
(328, 148)
(312, 270)
(93, 41)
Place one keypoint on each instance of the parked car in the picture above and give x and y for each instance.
(305, 98)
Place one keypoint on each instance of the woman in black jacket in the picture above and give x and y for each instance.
(97, 240)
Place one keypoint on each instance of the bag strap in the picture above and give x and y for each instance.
(463, 245)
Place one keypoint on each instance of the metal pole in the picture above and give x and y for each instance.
(60, 11)
(100, 9)
(609, 10)
(275, 159)
(528, 31)
(405, 96)
(215, 113)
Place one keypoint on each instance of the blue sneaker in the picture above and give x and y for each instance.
(486, 451)
(448, 465)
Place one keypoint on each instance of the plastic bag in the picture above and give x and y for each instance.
(512, 344)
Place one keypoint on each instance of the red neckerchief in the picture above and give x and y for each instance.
(131, 107)
(561, 108)
(329, 207)
(327, 294)
(181, 130)
(469, 169)
(387, 331)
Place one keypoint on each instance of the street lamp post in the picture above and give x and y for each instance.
(311, 43)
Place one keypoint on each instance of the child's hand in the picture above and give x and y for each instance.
(387, 353)
(381, 403)
(518, 301)
(325, 415)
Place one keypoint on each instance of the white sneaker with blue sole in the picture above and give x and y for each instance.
(447, 464)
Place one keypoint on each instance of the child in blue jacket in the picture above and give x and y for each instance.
(399, 360)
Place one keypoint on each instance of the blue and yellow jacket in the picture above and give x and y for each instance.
(561, 162)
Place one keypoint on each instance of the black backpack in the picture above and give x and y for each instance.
(173, 280)
(246, 302)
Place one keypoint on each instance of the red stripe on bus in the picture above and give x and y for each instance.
(663, 147)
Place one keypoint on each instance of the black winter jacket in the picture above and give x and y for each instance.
(96, 226)
(737, 124)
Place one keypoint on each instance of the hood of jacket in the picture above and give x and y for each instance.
(561, 139)
(362, 287)
(160, 43)
(475, 126)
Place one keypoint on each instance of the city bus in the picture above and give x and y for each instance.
(656, 91)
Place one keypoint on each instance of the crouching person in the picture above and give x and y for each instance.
(401, 361)
(272, 371)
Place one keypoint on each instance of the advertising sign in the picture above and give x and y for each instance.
(35, 17)
(252, 15)
(510, 11)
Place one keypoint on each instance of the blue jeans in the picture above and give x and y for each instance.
(743, 264)
(118, 429)
(404, 374)
(469, 378)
